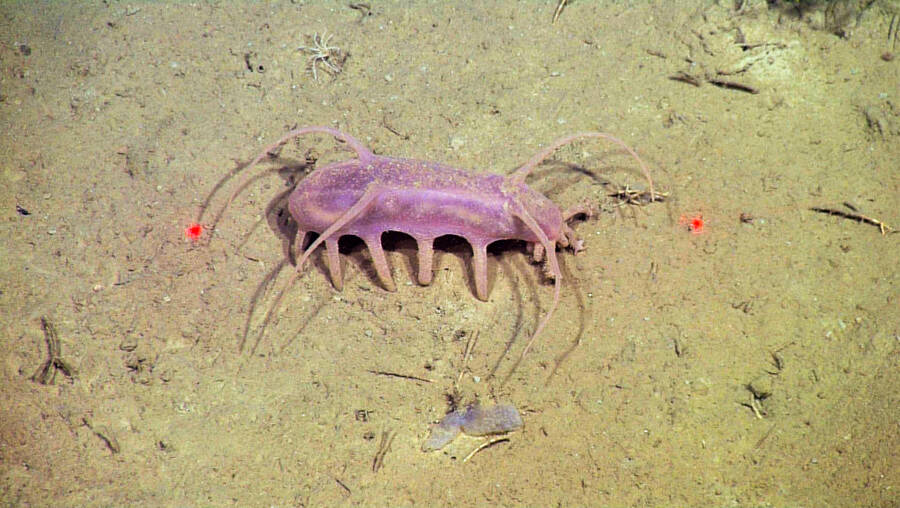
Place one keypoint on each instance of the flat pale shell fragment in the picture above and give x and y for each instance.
(474, 421)
(499, 419)
(440, 435)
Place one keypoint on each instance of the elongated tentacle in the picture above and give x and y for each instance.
(519, 175)
(550, 251)
(365, 201)
(363, 153)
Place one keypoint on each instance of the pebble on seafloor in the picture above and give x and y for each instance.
(474, 421)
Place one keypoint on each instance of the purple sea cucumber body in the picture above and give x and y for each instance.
(422, 199)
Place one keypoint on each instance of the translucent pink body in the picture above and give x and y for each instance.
(371, 194)
(424, 200)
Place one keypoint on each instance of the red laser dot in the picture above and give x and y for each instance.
(694, 224)
(193, 231)
(697, 224)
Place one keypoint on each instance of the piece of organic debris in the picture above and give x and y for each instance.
(853, 214)
(628, 196)
(331, 58)
(46, 374)
(475, 421)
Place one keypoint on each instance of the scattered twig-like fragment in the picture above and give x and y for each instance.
(393, 130)
(401, 376)
(765, 436)
(854, 215)
(486, 444)
(104, 434)
(46, 374)
(753, 405)
(686, 78)
(559, 8)
(331, 58)
(894, 29)
(384, 446)
(470, 346)
(343, 486)
(695, 80)
(733, 85)
(753, 45)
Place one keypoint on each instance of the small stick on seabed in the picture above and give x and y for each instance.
(344, 486)
(470, 346)
(401, 376)
(486, 444)
(733, 85)
(854, 215)
(384, 446)
(559, 8)
(694, 80)
(47, 373)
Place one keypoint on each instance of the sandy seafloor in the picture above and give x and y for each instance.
(756, 363)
